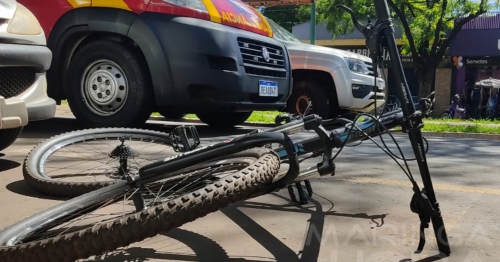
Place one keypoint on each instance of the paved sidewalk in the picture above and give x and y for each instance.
(63, 110)
(361, 214)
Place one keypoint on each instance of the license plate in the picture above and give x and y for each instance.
(268, 88)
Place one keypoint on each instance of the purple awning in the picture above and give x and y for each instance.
(478, 37)
(487, 21)
(476, 42)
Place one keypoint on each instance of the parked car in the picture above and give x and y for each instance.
(333, 80)
(116, 62)
(24, 58)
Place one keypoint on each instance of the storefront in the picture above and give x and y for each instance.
(479, 59)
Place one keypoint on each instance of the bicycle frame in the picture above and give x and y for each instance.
(324, 140)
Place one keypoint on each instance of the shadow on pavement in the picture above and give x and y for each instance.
(280, 251)
(312, 245)
(204, 249)
(427, 259)
(6, 164)
(20, 187)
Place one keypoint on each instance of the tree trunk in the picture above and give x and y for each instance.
(425, 75)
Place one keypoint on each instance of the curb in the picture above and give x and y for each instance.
(453, 134)
(425, 133)
(461, 124)
(463, 135)
(194, 121)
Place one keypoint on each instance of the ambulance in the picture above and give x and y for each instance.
(117, 61)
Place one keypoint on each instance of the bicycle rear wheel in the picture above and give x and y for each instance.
(46, 236)
(78, 162)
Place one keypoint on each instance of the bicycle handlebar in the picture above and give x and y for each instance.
(342, 135)
(370, 127)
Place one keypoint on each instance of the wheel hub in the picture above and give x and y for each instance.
(104, 87)
(123, 153)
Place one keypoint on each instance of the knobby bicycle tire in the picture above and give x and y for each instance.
(35, 178)
(140, 225)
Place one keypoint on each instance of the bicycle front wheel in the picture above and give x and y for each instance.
(76, 229)
(77, 162)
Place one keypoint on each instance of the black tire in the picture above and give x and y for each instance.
(446, 115)
(36, 179)
(224, 120)
(8, 136)
(306, 90)
(123, 231)
(132, 86)
(171, 114)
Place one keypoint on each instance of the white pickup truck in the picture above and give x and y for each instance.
(334, 81)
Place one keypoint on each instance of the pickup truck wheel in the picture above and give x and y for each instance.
(224, 120)
(309, 91)
(108, 85)
(8, 136)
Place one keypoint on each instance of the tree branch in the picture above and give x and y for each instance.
(412, 11)
(407, 30)
(439, 27)
(458, 26)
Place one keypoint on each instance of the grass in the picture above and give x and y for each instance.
(256, 117)
(476, 128)
(472, 121)
(482, 126)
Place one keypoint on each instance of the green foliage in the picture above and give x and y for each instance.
(337, 21)
(424, 24)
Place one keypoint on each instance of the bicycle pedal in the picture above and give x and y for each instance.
(303, 197)
(182, 141)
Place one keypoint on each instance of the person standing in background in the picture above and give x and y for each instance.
(476, 99)
(469, 86)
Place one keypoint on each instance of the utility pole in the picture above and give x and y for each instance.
(313, 23)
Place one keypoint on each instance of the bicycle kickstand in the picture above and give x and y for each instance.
(303, 198)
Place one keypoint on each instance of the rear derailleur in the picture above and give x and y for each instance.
(183, 139)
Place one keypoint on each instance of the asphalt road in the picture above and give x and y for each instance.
(361, 214)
